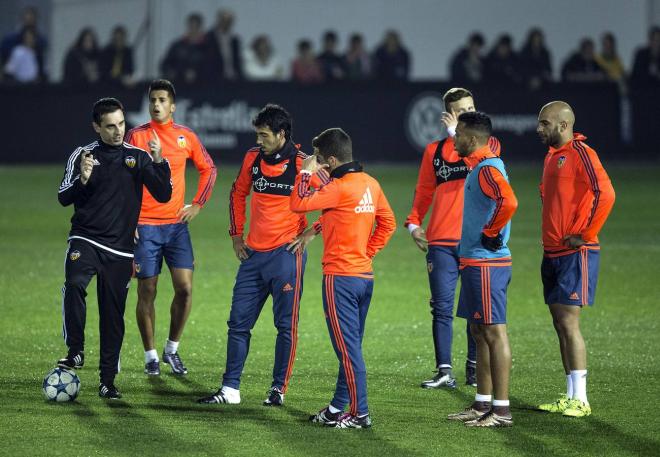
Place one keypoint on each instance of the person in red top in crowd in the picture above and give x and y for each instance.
(163, 227)
(273, 255)
(305, 68)
(577, 198)
(440, 187)
(351, 204)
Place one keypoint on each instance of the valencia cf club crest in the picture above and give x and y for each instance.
(429, 266)
(130, 161)
(561, 161)
(74, 255)
(284, 166)
(181, 141)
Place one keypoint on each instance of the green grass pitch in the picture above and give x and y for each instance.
(160, 417)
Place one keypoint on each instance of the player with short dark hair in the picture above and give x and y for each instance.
(440, 187)
(334, 143)
(272, 257)
(485, 265)
(276, 119)
(162, 84)
(163, 227)
(105, 106)
(104, 181)
(351, 204)
(577, 198)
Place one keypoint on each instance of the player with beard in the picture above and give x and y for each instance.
(272, 256)
(577, 198)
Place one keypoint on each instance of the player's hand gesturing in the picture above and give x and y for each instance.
(155, 147)
(450, 120)
(312, 165)
(86, 166)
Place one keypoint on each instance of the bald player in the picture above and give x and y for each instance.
(577, 197)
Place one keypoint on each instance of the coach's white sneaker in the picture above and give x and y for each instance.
(224, 395)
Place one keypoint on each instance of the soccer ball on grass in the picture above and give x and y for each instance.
(61, 384)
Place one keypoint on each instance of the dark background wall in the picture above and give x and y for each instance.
(387, 122)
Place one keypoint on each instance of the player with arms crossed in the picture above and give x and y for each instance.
(163, 227)
(440, 185)
(272, 257)
(105, 180)
(485, 267)
(577, 198)
(351, 203)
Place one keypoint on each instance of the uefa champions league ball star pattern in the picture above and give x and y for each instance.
(60, 385)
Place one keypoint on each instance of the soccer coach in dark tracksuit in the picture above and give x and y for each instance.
(104, 181)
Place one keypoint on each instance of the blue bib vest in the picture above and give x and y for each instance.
(478, 210)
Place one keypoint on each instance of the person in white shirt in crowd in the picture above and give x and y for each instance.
(261, 62)
(23, 64)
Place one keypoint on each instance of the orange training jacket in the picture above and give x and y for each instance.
(577, 196)
(178, 144)
(351, 204)
(440, 184)
(272, 223)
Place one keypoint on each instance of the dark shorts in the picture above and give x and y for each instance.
(571, 279)
(483, 294)
(171, 241)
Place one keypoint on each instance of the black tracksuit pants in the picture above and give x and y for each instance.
(113, 274)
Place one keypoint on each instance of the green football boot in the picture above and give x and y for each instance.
(557, 406)
(577, 408)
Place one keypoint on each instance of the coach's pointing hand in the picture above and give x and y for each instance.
(155, 148)
(86, 166)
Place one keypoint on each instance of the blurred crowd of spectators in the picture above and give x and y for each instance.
(22, 52)
(22, 56)
(218, 54)
(531, 66)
